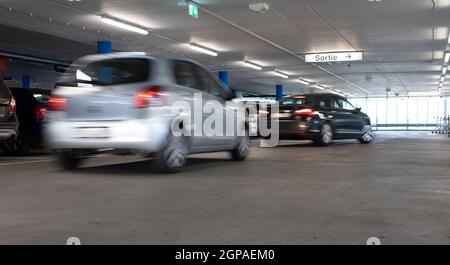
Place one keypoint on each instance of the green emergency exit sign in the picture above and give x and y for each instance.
(193, 10)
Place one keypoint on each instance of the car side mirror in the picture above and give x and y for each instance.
(358, 110)
(231, 95)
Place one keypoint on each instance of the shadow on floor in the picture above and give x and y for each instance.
(146, 167)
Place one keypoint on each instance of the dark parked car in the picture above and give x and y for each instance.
(322, 118)
(8, 118)
(31, 114)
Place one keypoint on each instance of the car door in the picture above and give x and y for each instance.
(346, 120)
(214, 93)
(186, 77)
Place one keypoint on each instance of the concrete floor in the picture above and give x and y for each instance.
(397, 189)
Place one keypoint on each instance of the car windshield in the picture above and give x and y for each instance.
(109, 72)
(4, 92)
(300, 100)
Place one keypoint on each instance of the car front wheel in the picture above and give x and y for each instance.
(367, 137)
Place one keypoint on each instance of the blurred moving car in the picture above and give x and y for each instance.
(31, 112)
(322, 118)
(123, 102)
(9, 125)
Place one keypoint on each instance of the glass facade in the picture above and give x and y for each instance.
(404, 113)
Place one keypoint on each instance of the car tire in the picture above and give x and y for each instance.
(18, 146)
(172, 158)
(367, 137)
(326, 135)
(68, 160)
(242, 149)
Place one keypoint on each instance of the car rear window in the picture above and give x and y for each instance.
(4, 92)
(111, 72)
(299, 100)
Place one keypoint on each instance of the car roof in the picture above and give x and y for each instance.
(314, 95)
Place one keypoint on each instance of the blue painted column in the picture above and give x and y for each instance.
(26, 82)
(104, 47)
(280, 92)
(223, 76)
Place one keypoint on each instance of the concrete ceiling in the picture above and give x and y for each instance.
(403, 40)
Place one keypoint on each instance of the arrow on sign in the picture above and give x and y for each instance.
(349, 56)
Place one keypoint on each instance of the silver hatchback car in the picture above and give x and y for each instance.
(125, 102)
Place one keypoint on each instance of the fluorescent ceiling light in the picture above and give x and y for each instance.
(124, 25)
(423, 94)
(447, 57)
(301, 81)
(280, 74)
(252, 65)
(319, 87)
(203, 50)
(444, 70)
(441, 85)
(337, 93)
(442, 79)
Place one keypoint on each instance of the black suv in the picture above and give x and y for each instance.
(8, 118)
(322, 118)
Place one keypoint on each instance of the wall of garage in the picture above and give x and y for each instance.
(404, 113)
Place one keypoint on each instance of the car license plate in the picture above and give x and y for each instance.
(93, 132)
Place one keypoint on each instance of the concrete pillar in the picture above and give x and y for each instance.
(26, 82)
(223, 76)
(104, 47)
(279, 92)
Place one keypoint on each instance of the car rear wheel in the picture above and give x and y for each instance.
(69, 160)
(172, 158)
(17, 146)
(326, 136)
(242, 149)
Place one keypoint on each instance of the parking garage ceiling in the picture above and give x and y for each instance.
(403, 40)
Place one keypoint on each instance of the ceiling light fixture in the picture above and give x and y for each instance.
(442, 79)
(203, 50)
(124, 25)
(447, 57)
(301, 81)
(423, 94)
(444, 70)
(252, 65)
(285, 76)
(320, 87)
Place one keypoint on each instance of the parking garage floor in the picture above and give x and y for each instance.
(395, 189)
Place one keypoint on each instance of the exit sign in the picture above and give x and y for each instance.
(193, 10)
(334, 57)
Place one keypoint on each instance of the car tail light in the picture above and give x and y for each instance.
(57, 104)
(305, 112)
(41, 113)
(12, 105)
(150, 97)
(263, 112)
